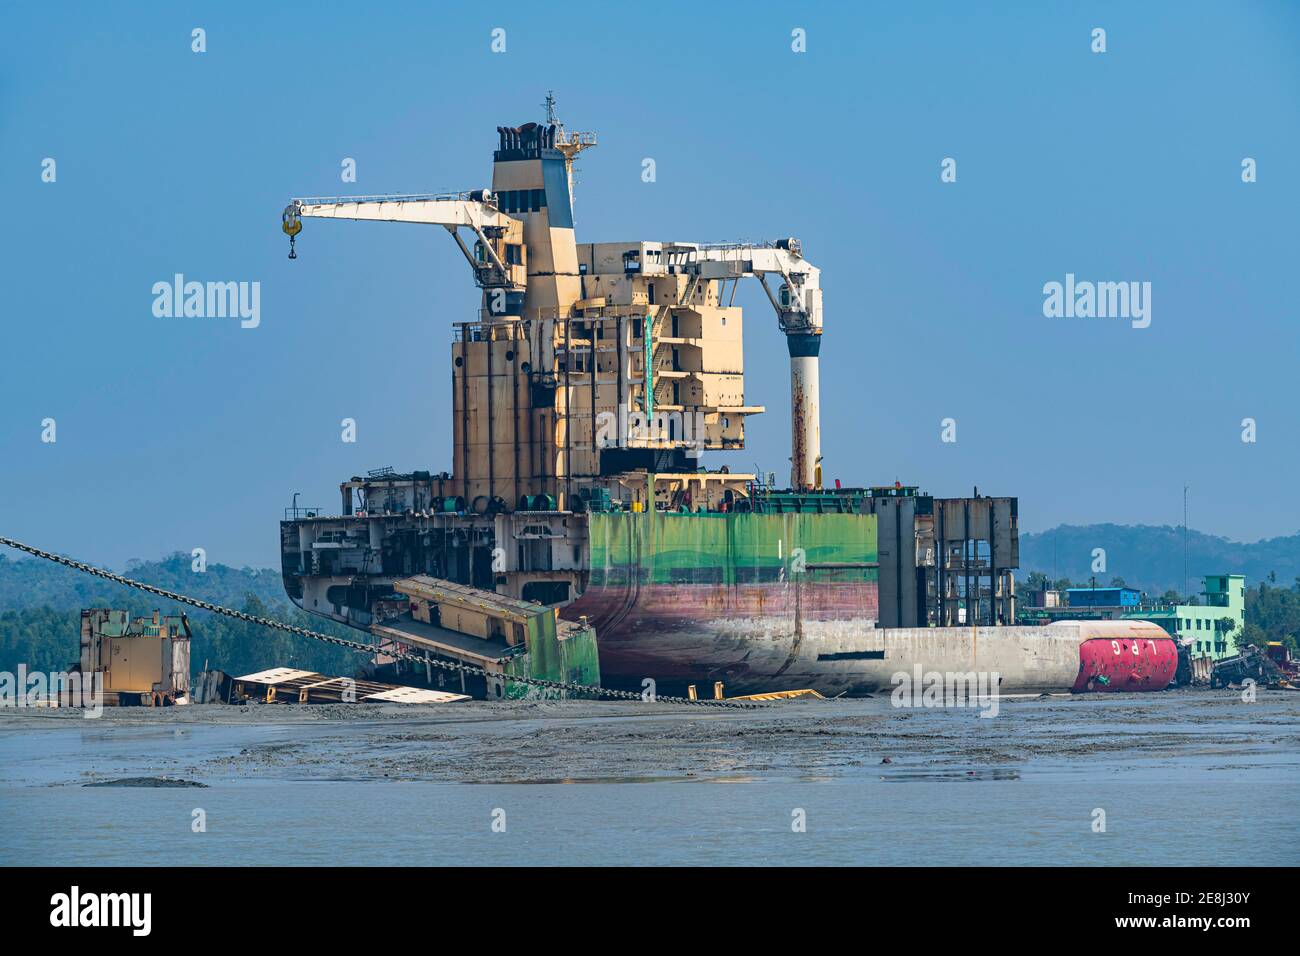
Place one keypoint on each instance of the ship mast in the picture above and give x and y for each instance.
(570, 144)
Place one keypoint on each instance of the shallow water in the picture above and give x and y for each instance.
(1182, 780)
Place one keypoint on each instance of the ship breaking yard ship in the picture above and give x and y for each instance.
(578, 538)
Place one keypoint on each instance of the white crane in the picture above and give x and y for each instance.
(498, 263)
(476, 211)
(798, 304)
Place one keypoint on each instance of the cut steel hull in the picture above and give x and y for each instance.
(760, 601)
(753, 640)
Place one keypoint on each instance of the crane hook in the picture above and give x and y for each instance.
(291, 224)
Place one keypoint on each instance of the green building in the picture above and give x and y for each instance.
(1211, 628)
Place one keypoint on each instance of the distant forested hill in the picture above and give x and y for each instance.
(41, 603)
(1151, 557)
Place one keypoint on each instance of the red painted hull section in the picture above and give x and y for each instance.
(672, 631)
(1126, 664)
(616, 612)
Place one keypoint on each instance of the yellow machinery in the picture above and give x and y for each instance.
(143, 661)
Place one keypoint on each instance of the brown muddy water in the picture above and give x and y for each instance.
(1178, 778)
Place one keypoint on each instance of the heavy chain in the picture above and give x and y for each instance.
(470, 669)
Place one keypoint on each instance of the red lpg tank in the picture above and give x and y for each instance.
(1123, 655)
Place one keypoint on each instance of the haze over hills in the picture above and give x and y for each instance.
(1150, 557)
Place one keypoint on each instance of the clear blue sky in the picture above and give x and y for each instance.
(176, 433)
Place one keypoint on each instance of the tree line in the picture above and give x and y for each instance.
(41, 604)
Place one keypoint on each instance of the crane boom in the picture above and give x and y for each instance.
(437, 210)
(476, 211)
(798, 304)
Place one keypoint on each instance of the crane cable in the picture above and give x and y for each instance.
(470, 669)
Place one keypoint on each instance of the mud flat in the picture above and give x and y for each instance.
(877, 783)
(483, 742)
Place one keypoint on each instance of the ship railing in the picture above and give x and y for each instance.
(463, 196)
(476, 331)
(565, 138)
(636, 309)
(735, 246)
(633, 310)
(488, 317)
(301, 511)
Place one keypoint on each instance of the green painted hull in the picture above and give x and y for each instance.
(693, 597)
(572, 660)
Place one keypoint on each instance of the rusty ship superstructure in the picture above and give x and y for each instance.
(585, 395)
